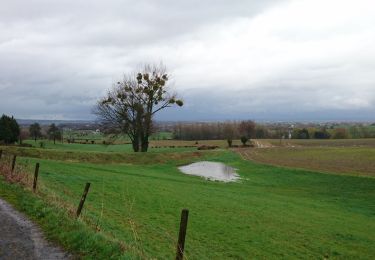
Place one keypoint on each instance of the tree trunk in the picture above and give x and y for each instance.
(135, 144)
(144, 144)
(146, 131)
(54, 140)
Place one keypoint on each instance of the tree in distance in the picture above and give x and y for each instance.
(229, 131)
(322, 134)
(244, 140)
(35, 131)
(9, 130)
(247, 130)
(24, 135)
(302, 134)
(340, 133)
(54, 133)
(130, 106)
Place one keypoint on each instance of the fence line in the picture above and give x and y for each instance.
(35, 176)
(184, 213)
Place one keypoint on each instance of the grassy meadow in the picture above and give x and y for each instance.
(133, 207)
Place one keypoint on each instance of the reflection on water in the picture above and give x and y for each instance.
(211, 171)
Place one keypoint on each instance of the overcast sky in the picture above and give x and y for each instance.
(269, 59)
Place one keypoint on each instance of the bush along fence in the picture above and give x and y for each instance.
(8, 169)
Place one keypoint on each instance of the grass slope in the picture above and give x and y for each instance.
(101, 157)
(272, 213)
(60, 227)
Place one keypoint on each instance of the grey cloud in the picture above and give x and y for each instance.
(250, 57)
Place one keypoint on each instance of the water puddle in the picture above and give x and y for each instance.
(213, 171)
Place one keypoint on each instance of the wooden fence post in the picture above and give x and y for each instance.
(80, 206)
(182, 234)
(14, 162)
(36, 176)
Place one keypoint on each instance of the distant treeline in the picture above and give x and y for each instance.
(237, 129)
(222, 130)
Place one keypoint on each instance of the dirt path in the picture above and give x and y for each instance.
(21, 239)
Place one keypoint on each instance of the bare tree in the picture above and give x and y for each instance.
(54, 133)
(247, 129)
(131, 104)
(229, 132)
(24, 134)
(35, 131)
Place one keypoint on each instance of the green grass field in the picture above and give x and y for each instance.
(133, 207)
(118, 148)
(81, 147)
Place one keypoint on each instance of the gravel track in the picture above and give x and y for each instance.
(22, 239)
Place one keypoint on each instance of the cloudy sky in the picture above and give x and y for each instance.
(263, 60)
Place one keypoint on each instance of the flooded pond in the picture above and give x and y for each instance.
(214, 171)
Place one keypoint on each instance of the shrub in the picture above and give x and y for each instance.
(322, 134)
(302, 134)
(244, 140)
(207, 147)
(340, 133)
(25, 145)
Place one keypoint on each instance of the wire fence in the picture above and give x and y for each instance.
(19, 171)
